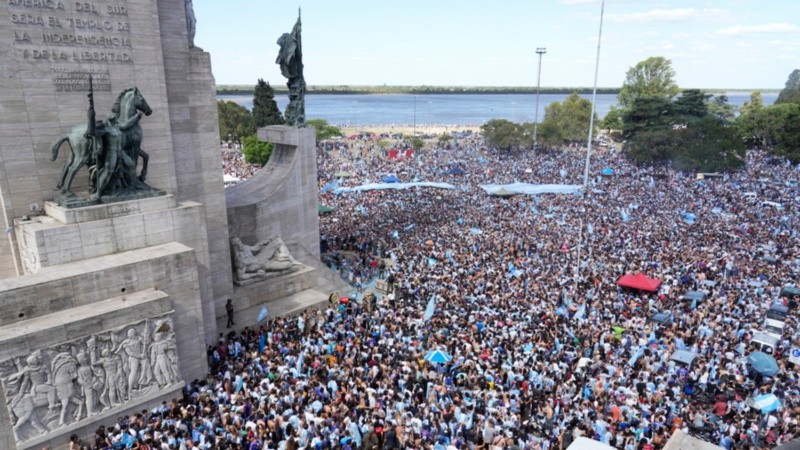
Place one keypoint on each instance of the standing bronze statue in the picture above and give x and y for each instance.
(191, 22)
(290, 58)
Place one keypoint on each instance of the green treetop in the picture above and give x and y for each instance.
(653, 77)
(265, 110)
(791, 93)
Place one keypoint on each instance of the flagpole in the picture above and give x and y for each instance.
(586, 191)
(594, 96)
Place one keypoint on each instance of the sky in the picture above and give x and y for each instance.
(733, 44)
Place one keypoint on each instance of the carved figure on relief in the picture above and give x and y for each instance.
(268, 258)
(30, 388)
(53, 387)
(131, 350)
(164, 355)
(64, 367)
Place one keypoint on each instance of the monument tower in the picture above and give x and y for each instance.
(107, 303)
(116, 263)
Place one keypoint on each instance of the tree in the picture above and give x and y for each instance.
(612, 120)
(265, 110)
(445, 138)
(235, 121)
(776, 127)
(506, 135)
(255, 151)
(719, 107)
(790, 93)
(707, 145)
(653, 147)
(567, 121)
(653, 77)
(646, 114)
(682, 134)
(324, 130)
(787, 136)
(758, 124)
(690, 106)
(416, 142)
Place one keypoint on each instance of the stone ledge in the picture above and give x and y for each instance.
(108, 210)
(274, 288)
(279, 134)
(130, 307)
(289, 306)
(93, 265)
(45, 241)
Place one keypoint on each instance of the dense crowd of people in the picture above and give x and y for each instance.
(521, 292)
(234, 167)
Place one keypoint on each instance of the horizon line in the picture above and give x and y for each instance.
(417, 86)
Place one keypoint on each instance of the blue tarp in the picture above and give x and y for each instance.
(390, 179)
(378, 186)
(455, 171)
(533, 189)
(608, 171)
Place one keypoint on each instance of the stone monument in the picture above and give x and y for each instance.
(117, 262)
(108, 294)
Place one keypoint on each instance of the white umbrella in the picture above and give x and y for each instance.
(766, 403)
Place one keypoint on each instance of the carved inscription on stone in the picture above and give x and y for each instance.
(123, 209)
(85, 32)
(77, 79)
(53, 387)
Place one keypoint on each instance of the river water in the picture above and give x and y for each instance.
(440, 109)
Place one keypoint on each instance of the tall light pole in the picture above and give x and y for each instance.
(586, 191)
(594, 95)
(539, 51)
(415, 116)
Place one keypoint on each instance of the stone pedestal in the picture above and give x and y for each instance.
(81, 199)
(66, 235)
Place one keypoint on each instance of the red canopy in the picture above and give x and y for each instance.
(639, 281)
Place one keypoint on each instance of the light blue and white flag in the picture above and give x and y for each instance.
(430, 309)
(581, 312)
(262, 315)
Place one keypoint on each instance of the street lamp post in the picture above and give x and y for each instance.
(539, 51)
(415, 116)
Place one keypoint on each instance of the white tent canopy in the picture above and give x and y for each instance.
(378, 186)
(534, 189)
(682, 441)
(583, 443)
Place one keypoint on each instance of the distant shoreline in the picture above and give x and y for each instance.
(444, 90)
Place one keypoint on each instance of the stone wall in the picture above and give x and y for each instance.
(58, 309)
(281, 199)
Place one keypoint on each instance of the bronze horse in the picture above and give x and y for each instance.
(127, 104)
